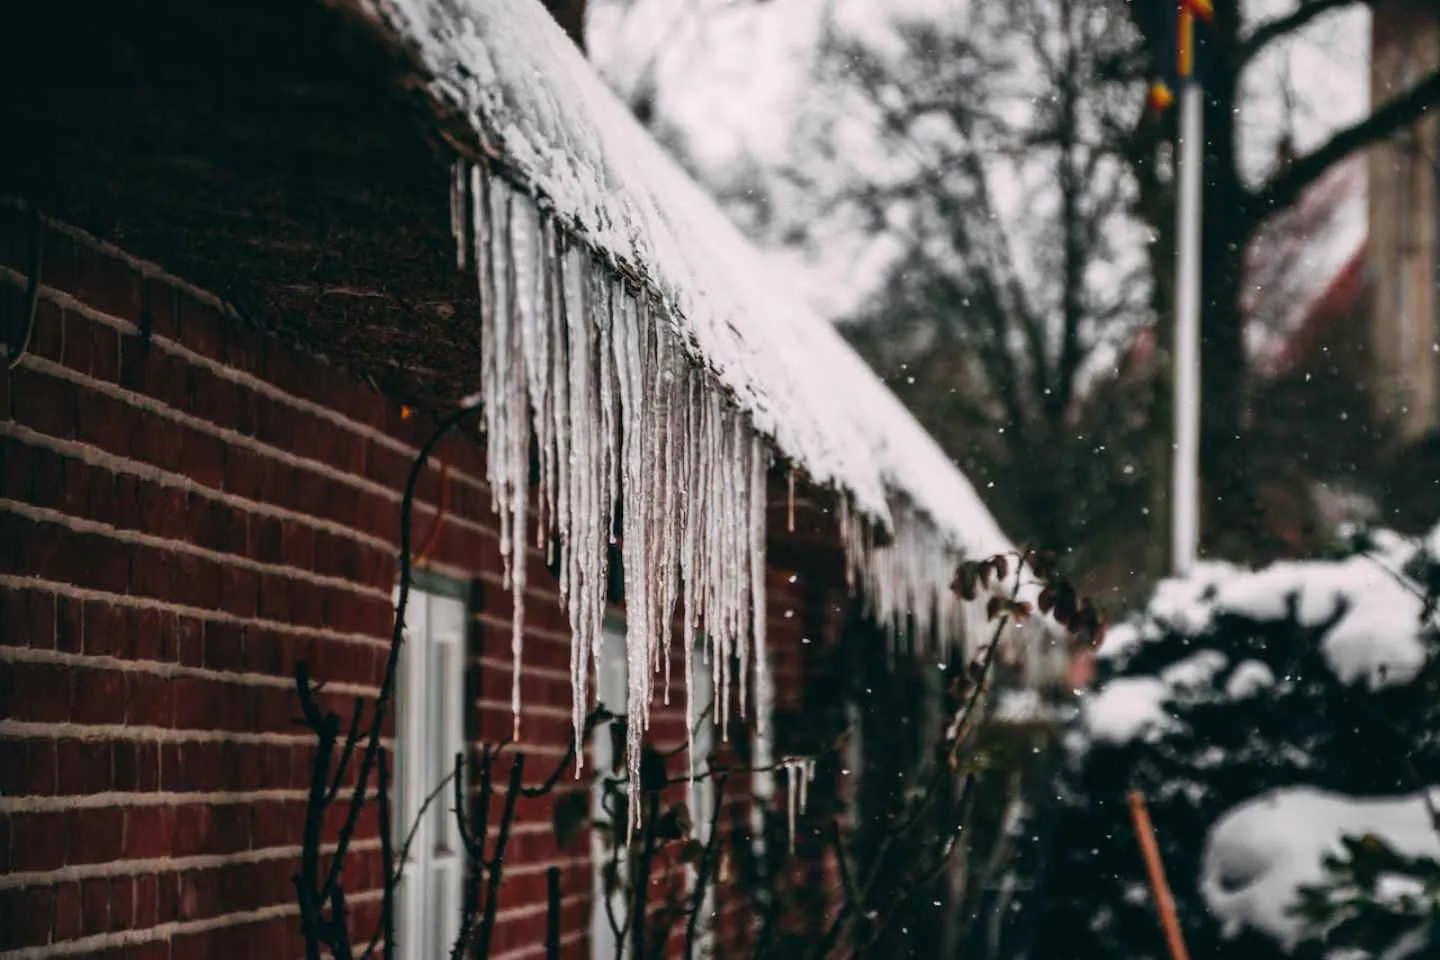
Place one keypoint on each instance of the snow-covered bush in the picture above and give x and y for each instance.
(1312, 679)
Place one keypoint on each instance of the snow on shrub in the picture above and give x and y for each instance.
(1310, 677)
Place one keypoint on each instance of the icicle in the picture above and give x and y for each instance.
(759, 471)
(790, 500)
(799, 773)
(791, 796)
(458, 176)
(637, 447)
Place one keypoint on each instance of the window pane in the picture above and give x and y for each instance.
(438, 741)
(437, 915)
(399, 808)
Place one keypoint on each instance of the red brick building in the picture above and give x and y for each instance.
(232, 310)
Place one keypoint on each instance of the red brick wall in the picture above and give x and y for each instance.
(181, 522)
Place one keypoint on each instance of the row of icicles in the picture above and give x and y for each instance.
(638, 446)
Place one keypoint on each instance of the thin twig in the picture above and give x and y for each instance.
(496, 864)
(397, 636)
(387, 857)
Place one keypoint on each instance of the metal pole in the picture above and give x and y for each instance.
(1159, 886)
(1185, 480)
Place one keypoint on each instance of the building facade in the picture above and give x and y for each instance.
(233, 315)
(1404, 244)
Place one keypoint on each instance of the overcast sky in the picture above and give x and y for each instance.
(731, 79)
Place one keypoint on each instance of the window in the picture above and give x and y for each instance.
(429, 731)
(611, 689)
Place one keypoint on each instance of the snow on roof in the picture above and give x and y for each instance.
(647, 365)
(526, 88)
(1296, 257)
(1262, 852)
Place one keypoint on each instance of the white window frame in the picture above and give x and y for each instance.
(611, 688)
(429, 732)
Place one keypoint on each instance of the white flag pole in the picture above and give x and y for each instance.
(1185, 497)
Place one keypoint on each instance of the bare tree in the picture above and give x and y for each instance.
(975, 149)
(1235, 211)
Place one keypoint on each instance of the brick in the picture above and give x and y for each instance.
(95, 835)
(150, 700)
(200, 896)
(41, 767)
(67, 912)
(239, 590)
(98, 697)
(73, 496)
(155, 439)
(147, 896)
(216, 526)
(101, 503)
(216, 399)
(78, 344)
(40, 618)
(104, 629)
(106, 422)
(99, 563)
(14, 469)
(169, 897)
(105, 354)
(266, 539)
(109, 285)
(135, 633)
(157, 573)
(231, 827)
(199, 703)
(143, 368)
(26, 917)
(275, 597)
(298, 542)
(169, 636)
(43, 692)
(204, 945)
(122, 903)
(84, 766)
(48, 335)
(69, 625)
(307, 603)
(95, 906)
(163, 510)
(47, 478)
(147, 771)
(202, 457)
(148, 835)
(127, 766)
(201, 328)
(310, 493)
(193, 830)
(224, 646)
(33, 847)
(43, 403)
(279, 425)
(242, 349)
(190, 641)
(12, 768)
(161, 302)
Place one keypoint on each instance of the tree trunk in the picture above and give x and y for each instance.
(1230, 521)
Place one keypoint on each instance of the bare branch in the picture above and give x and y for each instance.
(1272, 30)
(1285, 187)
